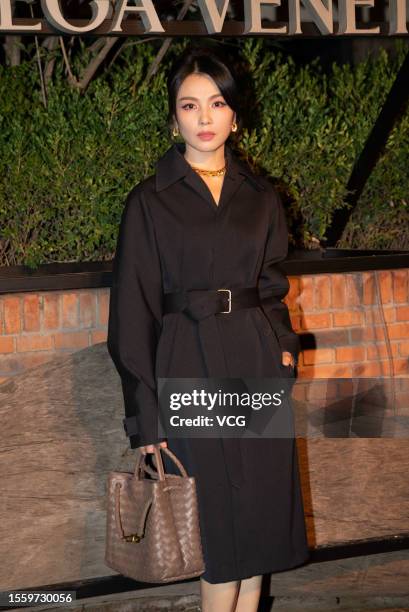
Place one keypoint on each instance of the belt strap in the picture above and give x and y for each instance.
(201, 303)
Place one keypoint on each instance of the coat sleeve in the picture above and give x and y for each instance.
(135, 319)
(274, 284)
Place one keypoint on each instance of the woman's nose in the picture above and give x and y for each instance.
(204, 117)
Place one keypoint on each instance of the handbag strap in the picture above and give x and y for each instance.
(141, 464)
(140, 533)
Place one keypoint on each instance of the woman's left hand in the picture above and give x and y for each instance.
(287, 359)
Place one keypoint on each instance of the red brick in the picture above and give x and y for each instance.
(401, 385)
(316, 321)
(404, 348)
(351, 317)
(353, 289)
(380, 351)
(323, 355)
(322, 389)
(366, 334)
(51, 310)
(372, 368)
(12, 318)
(88, 308)
(385, 285)
(369, 289)
(6, 344)
(31, 312)
(296, 322)
(98, 335)
(306, 295)
(299, 392)
(338, 294)
(34, 343)
(401, 367)
(325, 371)
(402, 313)
(318, 391)
(350, 353)
(103, 307)
(331, 337)
(305, 371)
(401, 404)
(400, 286)
(398, 331)
(71, 340)
(378, 315)
(322, 292)
(69, 310)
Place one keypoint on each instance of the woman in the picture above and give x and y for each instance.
(204, 222)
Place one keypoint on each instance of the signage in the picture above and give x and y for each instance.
(326, 17)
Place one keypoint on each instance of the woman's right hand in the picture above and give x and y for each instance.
(150, 447)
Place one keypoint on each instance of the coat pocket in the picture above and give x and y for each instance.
(288, 371)
(265, 324)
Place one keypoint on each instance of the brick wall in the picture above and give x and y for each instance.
(355, 324)
(359, 322)
(36, 326)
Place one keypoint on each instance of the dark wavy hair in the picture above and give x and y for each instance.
(206, 61)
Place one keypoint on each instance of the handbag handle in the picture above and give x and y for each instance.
(141, 464)
(140, 533)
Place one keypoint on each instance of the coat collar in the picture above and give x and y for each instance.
(172, 166)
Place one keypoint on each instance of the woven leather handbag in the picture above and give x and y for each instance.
(152, 528)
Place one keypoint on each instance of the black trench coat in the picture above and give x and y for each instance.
(174, 237)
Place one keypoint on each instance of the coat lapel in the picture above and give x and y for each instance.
(172, 166)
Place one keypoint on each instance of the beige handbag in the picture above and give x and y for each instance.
(152, 529)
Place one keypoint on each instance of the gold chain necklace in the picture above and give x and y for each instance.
(220, 172)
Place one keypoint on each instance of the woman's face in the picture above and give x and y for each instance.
(200, 107)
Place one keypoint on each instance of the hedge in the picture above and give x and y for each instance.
(65, 169)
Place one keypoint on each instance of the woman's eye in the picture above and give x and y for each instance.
(189, 105)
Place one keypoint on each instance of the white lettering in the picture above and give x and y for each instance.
(148, 14)
(320, 14)
(252, 17)
(213, 19)
(52, 11)
(6, 20)
(397, 17)
(347, 17)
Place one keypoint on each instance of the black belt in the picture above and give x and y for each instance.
(200, 305)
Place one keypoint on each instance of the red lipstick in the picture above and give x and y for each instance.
(206, 135)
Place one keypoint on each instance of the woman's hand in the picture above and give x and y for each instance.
(149, 448)
(287, 359)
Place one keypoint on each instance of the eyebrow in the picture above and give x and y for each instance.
(192, 98)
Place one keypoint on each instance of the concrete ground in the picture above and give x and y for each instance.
(376, 582)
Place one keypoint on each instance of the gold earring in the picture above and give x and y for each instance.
(175, 131)
(234, 127)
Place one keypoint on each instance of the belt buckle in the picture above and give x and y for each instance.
(229, 298)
